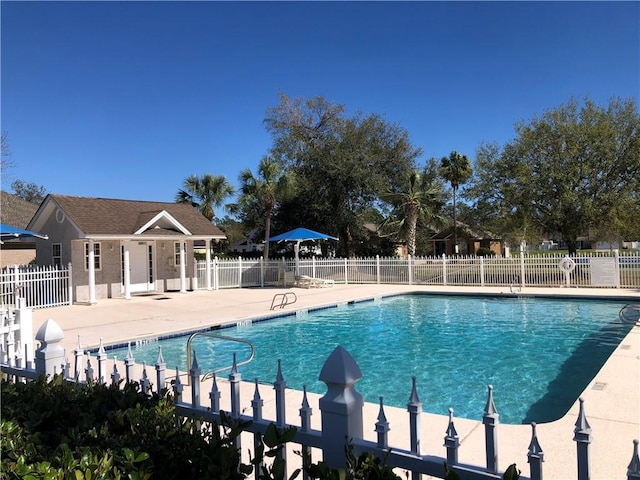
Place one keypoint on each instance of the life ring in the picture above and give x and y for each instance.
(567, 265)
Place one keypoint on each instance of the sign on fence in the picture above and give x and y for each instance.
(604, 272)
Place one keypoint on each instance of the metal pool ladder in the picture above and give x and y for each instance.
(630, 314)
(221, 337)
(286, 298)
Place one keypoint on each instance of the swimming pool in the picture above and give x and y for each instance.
(538, 353)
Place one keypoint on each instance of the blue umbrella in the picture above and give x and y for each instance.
(9, 232)
(300, 235)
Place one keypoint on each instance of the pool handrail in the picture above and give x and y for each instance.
(221, 337)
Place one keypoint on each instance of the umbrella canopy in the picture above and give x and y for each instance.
(9, 232)
(301, 235)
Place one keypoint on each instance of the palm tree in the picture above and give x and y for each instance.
(205, 192)
(267, 189)
(420, 200)
(455, 169)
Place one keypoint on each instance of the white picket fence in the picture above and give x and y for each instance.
(40, 286)
(594, 270)
(341, 410)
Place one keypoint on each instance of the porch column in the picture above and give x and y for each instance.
(183, 267)
(127, 274)
(208, 263)
(92, 273)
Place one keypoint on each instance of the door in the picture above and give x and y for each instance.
(141, 271)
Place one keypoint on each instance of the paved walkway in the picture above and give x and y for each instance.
(612, 399)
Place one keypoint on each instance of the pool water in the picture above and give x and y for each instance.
(538, 353)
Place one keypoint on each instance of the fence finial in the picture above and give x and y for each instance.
(214, 394)
(257, 403)
(413, 398)
(633, 471)
(177, 387)
(490, 421)
(583, 429)
(451, 441)
(490, 406)
(115, 376)
(160, 360)
(382, 427)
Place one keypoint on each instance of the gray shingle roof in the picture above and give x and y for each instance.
(16, 211)
(107, 216)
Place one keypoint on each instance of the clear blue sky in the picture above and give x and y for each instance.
(126, 99)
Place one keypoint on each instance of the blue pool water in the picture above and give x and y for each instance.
(539, 354)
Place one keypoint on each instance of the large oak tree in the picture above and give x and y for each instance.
(341, 163)
(573, 171)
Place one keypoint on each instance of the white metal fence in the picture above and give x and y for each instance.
(40, 286)
(341, 410)
(596, 270)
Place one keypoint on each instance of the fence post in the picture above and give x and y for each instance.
(16, 283)
(127, 273)
(490, 421)
(341, 407)
(239, 272)
(378, 269)
(183, 268)
(633, 471)
(482, 271)
(346, 269)
(535, 455)
(70, 284)
(616, 254)
(305, 426)
(262, 266)
(24, 318)
(207, 267)
(522, 278)
(451, 441)
(216, 274)
(280, 387)
(194, 281)
(50, 354)
(582, 437)
(444, 269)
(102, 364)
(160, 371)
(382, 428)
(414, 407)
(409, 270)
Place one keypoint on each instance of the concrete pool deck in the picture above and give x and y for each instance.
(612, 399)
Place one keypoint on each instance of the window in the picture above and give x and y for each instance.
(176, 254)
(97, 263)
(56, 255)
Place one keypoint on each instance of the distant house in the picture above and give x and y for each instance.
(469, 241)
(16, 212)
(249, 244)
(120, 247)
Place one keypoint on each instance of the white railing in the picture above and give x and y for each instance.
(594, 270)
(16, 333)
(40, 286)
(341, 410)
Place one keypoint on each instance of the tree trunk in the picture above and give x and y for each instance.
(411, 234)
(455, 224)
(267, 234)
(572, 246)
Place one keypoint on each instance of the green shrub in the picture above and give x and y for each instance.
(59, 430)
(485, 252)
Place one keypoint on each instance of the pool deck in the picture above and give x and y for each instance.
(612, 399)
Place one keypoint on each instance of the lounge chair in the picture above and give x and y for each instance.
(288, 278)
(305, 281)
